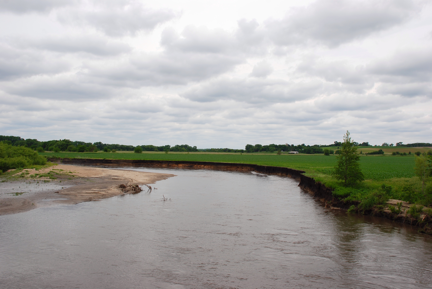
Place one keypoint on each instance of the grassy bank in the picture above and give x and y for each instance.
(396, 173)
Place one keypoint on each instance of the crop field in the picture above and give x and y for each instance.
(377, 168)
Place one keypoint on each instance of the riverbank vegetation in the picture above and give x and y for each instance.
(12, 157)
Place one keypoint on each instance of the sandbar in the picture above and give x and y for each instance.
(72, 184)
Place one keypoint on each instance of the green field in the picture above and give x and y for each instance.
(376, 168)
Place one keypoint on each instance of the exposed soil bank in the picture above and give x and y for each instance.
(316, 189)
(72, 184)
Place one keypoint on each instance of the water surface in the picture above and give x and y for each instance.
(218, 230)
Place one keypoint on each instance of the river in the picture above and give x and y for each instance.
(212, 230)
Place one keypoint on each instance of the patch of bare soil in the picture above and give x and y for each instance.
(71, 184)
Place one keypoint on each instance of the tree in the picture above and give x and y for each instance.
(422, 169)
(347, 168)
(138, 150)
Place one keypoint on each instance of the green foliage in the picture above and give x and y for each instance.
(326, 152)
(427, 211)
(378, 152)
(417, 153)
(138, 150)
(81, 148)
(415, 211)
(352, 208)
(377, 197)
(71, 148)
(56, 149)
(18, 157)
(397, 210)
(279, 152)
(422, 169)
(40, 150)
(347, 168)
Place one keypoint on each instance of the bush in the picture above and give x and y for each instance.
(415, 211)
(81, 148)
(40, 150)
(18, 157)
(71, 148)
(56, 150)
(326, 152)
(378, 152)
(376, 198)
(397, 210)
(138, 150)
(417, 153)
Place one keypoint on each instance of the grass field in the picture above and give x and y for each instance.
(374, 167)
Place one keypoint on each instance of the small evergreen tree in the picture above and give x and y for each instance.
(347, 168)
(422, 169)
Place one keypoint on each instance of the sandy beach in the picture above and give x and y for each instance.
(71, 184)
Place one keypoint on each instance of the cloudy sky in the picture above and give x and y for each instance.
(216, 73)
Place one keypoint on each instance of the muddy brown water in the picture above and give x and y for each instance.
(216, 230)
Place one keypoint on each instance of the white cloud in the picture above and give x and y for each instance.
(262, 69)
(334, 22)
(118, 18)
(122, 72)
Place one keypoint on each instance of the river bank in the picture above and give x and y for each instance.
(318, 190)
(69, 184)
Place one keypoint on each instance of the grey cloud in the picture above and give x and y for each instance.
(174, 68)
(262, 69)
(119, 20)
(255, 91)
(66, 88)
(357, 102)
(407, 89)
(407, 73)
(412, 64)
(341, 74)
(26, 6)
(334, 22)
(15, 63)
(91, 44)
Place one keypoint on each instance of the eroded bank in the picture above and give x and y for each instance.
(308, 184)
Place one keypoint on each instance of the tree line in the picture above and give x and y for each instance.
(80, 146)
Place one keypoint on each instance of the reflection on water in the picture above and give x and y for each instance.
(220, 230)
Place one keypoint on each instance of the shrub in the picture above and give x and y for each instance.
(81, 148)
(40, 150)
(18, 157)
(56, 150)
(138, 150)
(71, 148)
(376, 198)
(415, 211)
(352, 208)
(417, 153)
(378, 152)
(397, 210)
(326, 152)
